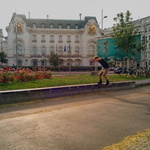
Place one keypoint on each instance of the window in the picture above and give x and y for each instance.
(60, 49)
(77, 62)
(149, 37)
(60, 26)
(77, 50)
(52, 49)
(42, 25)
(76, 26)
(19, 62)
(43, 51)
(68, 38)
(34, 25)
(43, 63)
(51, 38)
(34, 38)
(19, 49)
(35, 63)
(51, 26)
(60, 38)
(43, 38)
(68, 26)
(35, 51)
(76, 38)
(91, 50)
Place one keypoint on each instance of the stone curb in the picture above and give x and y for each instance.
(26, 95)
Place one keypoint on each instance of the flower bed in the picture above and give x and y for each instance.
(23, 75)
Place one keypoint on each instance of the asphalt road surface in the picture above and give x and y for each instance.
(82, 122)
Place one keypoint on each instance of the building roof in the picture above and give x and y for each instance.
(55, 22)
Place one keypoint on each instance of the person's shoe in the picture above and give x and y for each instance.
(99, 83)
(107, 82)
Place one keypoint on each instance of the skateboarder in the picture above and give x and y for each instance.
(103, 71)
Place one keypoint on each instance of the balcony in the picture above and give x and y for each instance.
(43, 41)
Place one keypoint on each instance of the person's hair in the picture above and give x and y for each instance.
(95, 57)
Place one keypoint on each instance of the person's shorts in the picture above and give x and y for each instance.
(103, 71)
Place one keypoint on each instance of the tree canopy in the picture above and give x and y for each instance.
(123, 33)
(54, 60)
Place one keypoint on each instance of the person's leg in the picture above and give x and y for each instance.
(105, 75)
(100, 76)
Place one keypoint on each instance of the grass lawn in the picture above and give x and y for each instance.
(63, 80)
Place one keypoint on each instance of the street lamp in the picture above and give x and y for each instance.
(103, 17)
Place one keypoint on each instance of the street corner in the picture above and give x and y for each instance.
(140, 141)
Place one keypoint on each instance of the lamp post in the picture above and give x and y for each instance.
(16, 28)
(103, 17)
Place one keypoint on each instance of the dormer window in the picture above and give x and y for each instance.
(77, 26)
(34, 25)
(42, 25)
(68, 26)
(60, 26)
(51, 26)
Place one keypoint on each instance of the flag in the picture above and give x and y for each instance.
(65, 48)
(56, 48)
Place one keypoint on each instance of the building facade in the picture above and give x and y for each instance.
(143, 27)
(31, 41)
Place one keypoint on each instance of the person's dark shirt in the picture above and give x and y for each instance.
(104, 63)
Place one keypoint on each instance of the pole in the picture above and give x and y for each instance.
(69, 59)
(102, 21)
(16, 48)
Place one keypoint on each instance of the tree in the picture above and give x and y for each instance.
(123, 33)
(54, 60)
(3, 57)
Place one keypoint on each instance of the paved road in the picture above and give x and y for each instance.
(81, 122)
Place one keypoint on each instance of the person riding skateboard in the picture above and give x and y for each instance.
(103, 71)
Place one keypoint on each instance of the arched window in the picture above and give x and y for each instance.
(42, 25)
(68, 26)
(35, 63)
(19, 49)
(77, 62)
(51, 25)
(60, 26)
(76, 26)
(43, 63)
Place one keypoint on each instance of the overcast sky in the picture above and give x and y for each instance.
(70, 9)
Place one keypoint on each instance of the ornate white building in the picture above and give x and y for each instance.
(31, 41)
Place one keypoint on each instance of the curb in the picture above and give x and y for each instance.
(26, 95)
